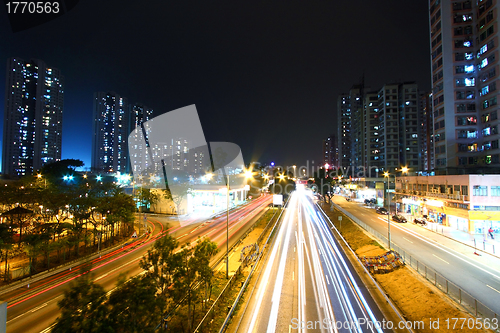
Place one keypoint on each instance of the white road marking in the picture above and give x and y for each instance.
(408, 240)
(52, 300)
(327, 280)
(38, 308)
(493, 288)
(117, 268)
(48, 329)
(440, 258)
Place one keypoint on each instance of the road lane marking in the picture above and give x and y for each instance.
(293, 276)
(408, 240)
(48, 329)
(327, 280)
(440, 258)
(40, 307)
(493, 288)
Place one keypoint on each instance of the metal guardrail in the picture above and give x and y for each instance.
(247, 280)
(458, 294)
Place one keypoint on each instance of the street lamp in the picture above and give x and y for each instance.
(227, 228)
(39, 176)
(387, 175)
(403, 171)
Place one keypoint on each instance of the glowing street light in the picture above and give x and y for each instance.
(68, 178)
(248, 174)
(98, 178)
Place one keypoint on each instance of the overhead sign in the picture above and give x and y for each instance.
(278, 199)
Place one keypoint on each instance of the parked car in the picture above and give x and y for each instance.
(370, 201)
(420, 221)
(381, 210)
(399, 218)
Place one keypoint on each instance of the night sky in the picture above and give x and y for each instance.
(264, 76)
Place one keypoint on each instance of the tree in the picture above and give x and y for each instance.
(160, 264)
(323, 181)
(56, 170)
(83, 309)
(192, 266)
(118, 208)
(147, 198)
(177, 192)
(134, 306)
(6, 242)
(34, 245)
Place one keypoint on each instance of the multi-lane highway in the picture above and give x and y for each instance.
(478, 275)
(306, 282)
(35, 309)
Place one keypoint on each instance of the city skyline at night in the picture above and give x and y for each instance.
(253, 80)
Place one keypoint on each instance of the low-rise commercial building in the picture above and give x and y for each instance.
(469, 203)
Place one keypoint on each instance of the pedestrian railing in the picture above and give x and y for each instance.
(471, 304)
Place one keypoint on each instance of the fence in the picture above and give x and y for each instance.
(471, 304)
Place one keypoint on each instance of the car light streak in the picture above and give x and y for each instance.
(322, 290)
(273, 317)
(336, 266)
(265, 279)
(336, 257)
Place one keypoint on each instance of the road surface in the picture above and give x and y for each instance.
(306, 283)
(478, 275)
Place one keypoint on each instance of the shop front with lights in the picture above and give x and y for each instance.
(481, 221)
(412, 206)
(458, 218)
(434, 211)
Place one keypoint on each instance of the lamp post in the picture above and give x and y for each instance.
(39, 176)
(227, 229)
(387, 175)
(403, 171)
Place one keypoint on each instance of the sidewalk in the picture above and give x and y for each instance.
(478, 242)
(472, 245)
